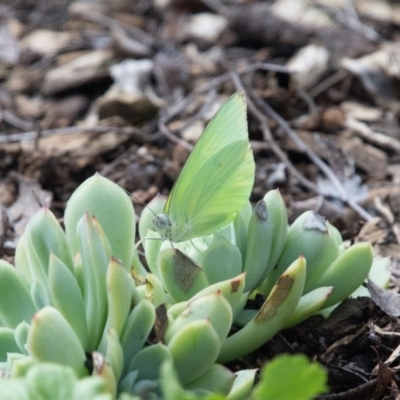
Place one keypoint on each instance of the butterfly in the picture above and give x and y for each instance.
(216, 181)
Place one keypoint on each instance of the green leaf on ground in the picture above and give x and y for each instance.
(291, 377)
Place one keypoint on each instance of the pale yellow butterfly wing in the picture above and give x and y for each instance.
(218, 177)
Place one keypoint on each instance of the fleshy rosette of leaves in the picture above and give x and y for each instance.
(310, 254)
(69, 300)
(79, 307)
(306, 381)
(48, 381)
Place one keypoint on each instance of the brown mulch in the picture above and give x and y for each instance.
(126, 87)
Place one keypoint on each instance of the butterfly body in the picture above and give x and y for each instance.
(216, 181)
(171, 231)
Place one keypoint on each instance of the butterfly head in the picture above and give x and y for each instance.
(162, 224)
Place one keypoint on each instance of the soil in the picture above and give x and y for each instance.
(126, 87)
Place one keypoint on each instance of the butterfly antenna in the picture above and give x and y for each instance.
(142, 203)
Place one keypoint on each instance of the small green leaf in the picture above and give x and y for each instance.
(112, 207)
(15, 299)
(173, 390)
(53, 382)
(221, 261)
(52, 339)
(182, 278)
(210, 307)
(95, 260)
(7, 343)
(291, 378)
(13, 389)
(137, 329)
(148, 361)
(277, 308)
(217, 379)
(194, 350)
(44, 236)
(67, 297)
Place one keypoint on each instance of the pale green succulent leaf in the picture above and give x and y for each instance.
(40, 293)
(95, 260)
(136, 330)
(332, 252)
(379, 274)
(277, 308)
(7, 343)
(146, 389)
(347, 272)
(217, 379)
(16, 304)
(307, 236)
(19, 364)
(152, 247)
(182, 278)
(259, 243)
(221, 261)
(127, 383)
(51, 339)
(21, 258)
(67, 297)
(309, 305)
(231, 289)
(245, 317)
(45, 236)
(276, 207)
(119, 299)
(98, 196)
(172, 389)
(211, 307)
(155, 291)
(15, 389)
(92, 388)
(114, 353)
(21, 336)
(126, 396)
(147, 362)
(242, 385)
(194, 349)
(174, 310)
(240, 224)
(53, 382)
(103, 369)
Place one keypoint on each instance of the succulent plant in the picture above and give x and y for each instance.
(71, 302)
(300, 270)
(82, 299)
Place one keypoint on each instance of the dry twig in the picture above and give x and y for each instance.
(270, 140)
(32, 135)
(302, 147)
(323, 167)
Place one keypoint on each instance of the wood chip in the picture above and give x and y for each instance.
(90, 67)
(368, 158)
(46, 42)
(380, 139)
